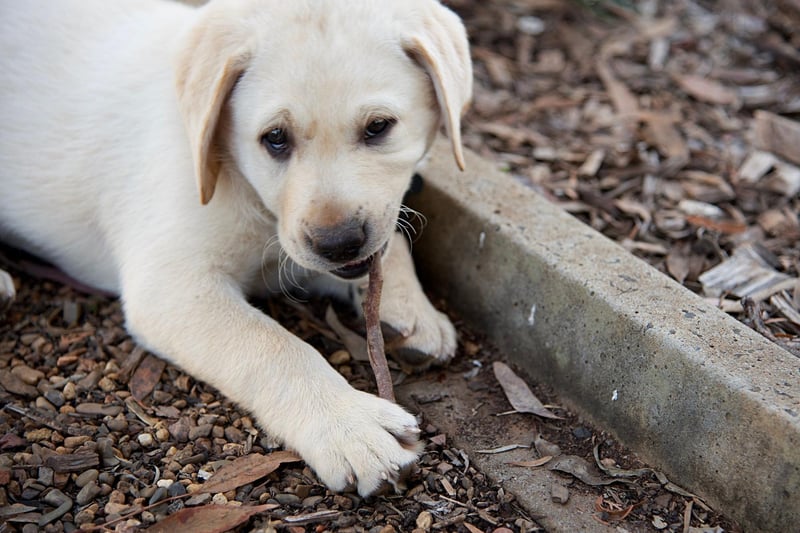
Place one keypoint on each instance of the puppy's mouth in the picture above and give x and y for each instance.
(356, 269)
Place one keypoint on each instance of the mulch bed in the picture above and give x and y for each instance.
(78, 450)
(668, 126)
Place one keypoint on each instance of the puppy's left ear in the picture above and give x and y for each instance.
(440, 45)
(212, 58)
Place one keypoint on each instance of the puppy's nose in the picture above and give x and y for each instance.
(340, 243)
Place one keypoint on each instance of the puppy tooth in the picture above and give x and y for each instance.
(395, 467)
(384, 476)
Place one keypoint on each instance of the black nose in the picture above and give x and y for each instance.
(340, 243)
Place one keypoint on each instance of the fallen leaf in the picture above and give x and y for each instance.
(611, 510)
(519, 395)
(581, 469)
(533, 462)
(617, 472)
(209, 518)
(246, 469)
(146, 377)
(503, 449)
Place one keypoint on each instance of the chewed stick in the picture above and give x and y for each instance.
(375, 347)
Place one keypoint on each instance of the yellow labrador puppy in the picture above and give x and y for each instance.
(299, 123)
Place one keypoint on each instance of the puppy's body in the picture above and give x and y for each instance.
(115, 113)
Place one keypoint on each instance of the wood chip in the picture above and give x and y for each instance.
(777, 134)
(706, 90)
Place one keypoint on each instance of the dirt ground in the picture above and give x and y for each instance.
(659, 123)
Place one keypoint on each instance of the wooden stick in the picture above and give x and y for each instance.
(375, 347)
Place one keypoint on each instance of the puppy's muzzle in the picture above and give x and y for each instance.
(341, 244)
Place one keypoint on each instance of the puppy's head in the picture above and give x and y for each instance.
(324, 108)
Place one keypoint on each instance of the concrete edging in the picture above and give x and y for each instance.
(690, 389)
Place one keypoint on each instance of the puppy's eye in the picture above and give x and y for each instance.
(377, 129)
(276, 141)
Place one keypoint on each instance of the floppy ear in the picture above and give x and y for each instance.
(441, 47)
(212, 58)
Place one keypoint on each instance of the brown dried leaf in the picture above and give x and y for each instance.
(209, 518)
(245, 470)
(581, 469)
(146, 377)
(519, 395)
(706, 90)
(533, 462)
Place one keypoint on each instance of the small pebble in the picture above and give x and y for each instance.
(162, 434)
(219, 499)
(145, 439)
(87, 493)
(39, 434)
(166, 483)
(287, 499)
(69, 391)
(581, 432)
(107, 384)
(199, 499)
(203, 430)
(27, 374)
(118, 424)
(424, 521)
(87, 476)
(55, 396)
(158, 495)
(46, 476)
(74, 442)
(312, 501)
(233, 434)
(559, 493)
(339, 357)
(176, 489)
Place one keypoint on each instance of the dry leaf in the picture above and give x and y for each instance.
(146, 377)
(581, 469)
(533, 462)
(245, 470)
(209, 518)
(503, 449)
(519, 395)
(612, 510)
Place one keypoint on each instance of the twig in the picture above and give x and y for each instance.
(375, 347)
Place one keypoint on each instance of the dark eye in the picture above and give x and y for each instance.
(377, 128)
(276, 141)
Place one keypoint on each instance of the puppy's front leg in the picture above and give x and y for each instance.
(208, 328)
(423, 334)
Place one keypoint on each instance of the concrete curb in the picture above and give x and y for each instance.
(690, 389)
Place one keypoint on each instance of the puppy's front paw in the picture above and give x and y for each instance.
(360, 441)
(7, 290)
(418, 335)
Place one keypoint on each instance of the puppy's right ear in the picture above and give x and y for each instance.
(212, 58)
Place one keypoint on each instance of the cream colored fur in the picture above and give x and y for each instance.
(131, 157)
